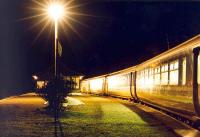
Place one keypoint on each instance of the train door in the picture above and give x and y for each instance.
(105, 86)
(133, 84)
(196, 80)
(198, 84)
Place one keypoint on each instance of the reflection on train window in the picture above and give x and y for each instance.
(198, 73)
(146, 76)
(157, 75)
(151, 76)
(141, 78)
(184, 71)
(173, 73)
(148, 79)
(164, 74)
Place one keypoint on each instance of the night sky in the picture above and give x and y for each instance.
(122, 34)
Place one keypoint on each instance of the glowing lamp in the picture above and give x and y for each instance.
(56, 11)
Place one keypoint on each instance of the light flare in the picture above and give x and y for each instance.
(56, 11)
(64, 12)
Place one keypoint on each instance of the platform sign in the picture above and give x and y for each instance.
(59, 49)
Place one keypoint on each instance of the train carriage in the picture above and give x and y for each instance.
(167, 80)
(170, 80)
(94, 85)
(97, 85)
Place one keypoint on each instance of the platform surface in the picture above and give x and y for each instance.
(23, 116)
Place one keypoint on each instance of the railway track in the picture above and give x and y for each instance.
(191, 121)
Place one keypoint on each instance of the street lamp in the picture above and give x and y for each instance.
(35, 77)
(56, 11)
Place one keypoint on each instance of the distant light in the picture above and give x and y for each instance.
(35, 77)
(81, 77)
(56, 11)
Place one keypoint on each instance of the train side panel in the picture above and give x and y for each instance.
(97, 86)
(119, 85)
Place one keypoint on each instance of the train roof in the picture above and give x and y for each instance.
(124, 71)
(187, 45)
(101, 76)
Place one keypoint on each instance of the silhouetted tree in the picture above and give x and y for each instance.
(55, 92)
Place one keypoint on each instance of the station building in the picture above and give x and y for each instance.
(42, 78)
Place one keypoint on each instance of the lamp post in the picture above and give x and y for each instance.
(55, 48)
(56, 12)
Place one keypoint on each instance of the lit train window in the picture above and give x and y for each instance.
(146, 76)
(157, 75)
(140, 78)
(184, 71)
(164, 74)
(151, 74)
(173, 73)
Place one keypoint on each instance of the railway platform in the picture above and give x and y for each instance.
(87, 115)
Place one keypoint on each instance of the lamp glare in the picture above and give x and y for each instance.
(55, 11)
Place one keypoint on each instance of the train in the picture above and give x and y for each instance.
(170, 80)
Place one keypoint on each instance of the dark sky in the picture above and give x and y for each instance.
(124, 33)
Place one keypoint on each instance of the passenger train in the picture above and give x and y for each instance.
(170, 80)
